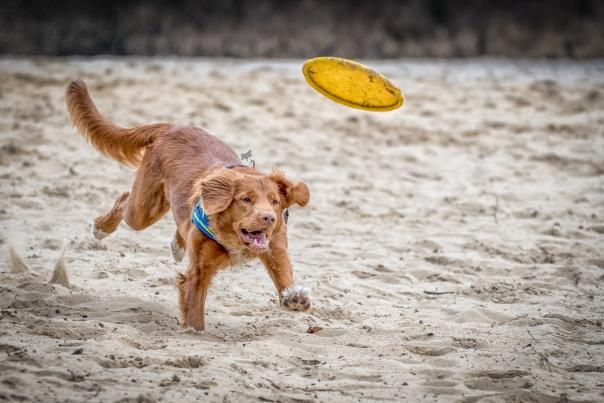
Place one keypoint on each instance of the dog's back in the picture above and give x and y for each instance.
(126, 145)
(176, 156)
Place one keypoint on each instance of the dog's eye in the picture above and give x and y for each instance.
(275, 202)
(247, 199)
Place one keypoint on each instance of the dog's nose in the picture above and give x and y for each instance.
(268, 217)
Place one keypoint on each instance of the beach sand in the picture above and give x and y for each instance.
(455, 247)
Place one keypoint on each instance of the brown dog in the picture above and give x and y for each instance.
(180, 166)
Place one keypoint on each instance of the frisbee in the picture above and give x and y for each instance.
(352, 84)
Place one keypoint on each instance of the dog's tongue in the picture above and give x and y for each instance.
(256, 241)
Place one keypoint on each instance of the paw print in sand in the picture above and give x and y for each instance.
(296, 298)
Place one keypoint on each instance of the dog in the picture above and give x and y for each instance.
(226, 213)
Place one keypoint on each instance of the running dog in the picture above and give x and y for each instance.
(226, 213)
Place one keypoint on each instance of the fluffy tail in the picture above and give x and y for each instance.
(124, 145)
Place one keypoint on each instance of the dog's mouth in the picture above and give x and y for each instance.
(255, 240)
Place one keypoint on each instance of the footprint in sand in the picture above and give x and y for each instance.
(430, 350)
(468, 343)
(499, 380)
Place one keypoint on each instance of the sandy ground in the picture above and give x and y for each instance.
(455, 248)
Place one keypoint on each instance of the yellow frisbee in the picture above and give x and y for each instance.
(352, 84)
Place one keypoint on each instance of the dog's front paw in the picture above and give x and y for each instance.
(296, 298)
(97, 233)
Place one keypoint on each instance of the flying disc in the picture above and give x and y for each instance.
(352, 84)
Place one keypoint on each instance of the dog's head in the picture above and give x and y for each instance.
(246, 209)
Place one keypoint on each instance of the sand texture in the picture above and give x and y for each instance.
(455, 247)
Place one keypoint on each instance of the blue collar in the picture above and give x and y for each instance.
(200, 219)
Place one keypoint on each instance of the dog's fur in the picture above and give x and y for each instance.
(178, 166)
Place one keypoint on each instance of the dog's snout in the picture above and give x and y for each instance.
(268, 217)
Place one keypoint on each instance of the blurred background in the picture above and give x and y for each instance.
(305, 28)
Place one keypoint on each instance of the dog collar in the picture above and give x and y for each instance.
(200, 220)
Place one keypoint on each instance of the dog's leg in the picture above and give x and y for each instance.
(107, 223)
(205, 259)
(178, 246)
(144, 205)
(147, 202)
(278, 265)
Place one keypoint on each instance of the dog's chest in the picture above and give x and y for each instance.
(241, 256)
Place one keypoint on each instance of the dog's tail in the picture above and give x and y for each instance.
(124, 145)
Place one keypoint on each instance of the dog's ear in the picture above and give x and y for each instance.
(291, 193)
(217, 191)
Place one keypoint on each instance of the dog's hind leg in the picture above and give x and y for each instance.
(143, 206)
(107, 223)
(178, 246)
(147, 202)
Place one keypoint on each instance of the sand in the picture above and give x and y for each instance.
(455, 247)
